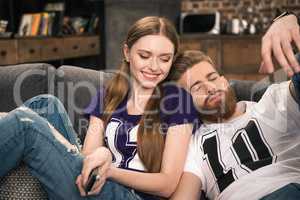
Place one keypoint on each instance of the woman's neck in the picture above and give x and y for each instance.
(138, 98)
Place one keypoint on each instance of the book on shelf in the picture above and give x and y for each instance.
(25, 25)
(35, 25)
(93, 24)
(40, 24)
(52, 22)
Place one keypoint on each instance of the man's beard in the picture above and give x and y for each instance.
(224, 111)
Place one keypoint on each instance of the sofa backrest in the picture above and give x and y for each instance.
(75, 87)
(21, 82)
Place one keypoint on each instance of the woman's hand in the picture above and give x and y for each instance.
(278, 41)
(101, 158)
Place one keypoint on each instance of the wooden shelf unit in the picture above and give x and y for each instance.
(24, 50)
(236, 56)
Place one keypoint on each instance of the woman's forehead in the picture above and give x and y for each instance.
(154, 44)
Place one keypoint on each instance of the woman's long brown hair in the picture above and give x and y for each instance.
(150, 141)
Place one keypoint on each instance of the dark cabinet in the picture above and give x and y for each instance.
(64, 45)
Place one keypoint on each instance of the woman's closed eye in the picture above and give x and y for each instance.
(144, 56)
(165, 58)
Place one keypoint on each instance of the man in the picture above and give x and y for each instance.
(243, 150)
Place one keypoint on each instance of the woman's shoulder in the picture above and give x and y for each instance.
(177, 106)
(173, 88)
(175, 95)
(177, 100)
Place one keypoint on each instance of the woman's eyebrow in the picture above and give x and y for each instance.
(144, 51)
(149, 52)
(166, 54)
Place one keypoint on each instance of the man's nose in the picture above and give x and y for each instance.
(211, 89)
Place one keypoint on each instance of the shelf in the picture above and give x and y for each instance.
(53, 44)
(237, 55)
(36, 49)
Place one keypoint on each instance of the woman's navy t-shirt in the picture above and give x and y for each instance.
(176, 108)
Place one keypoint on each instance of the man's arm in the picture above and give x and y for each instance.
(189, 187)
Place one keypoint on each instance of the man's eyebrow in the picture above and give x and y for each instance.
(194, 84)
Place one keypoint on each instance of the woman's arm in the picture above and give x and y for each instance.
(165, 182)
(96, 156)
(189, 187)
(94, 136)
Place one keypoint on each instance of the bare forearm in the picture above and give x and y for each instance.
(159, 184)
(189, 187)
(94, 136)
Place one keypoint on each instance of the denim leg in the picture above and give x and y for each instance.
(287, 192)
(24, 135)
(50, 108)
(114, 191)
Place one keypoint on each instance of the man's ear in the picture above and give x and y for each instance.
(126, 52)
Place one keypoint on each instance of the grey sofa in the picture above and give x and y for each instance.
(74, 86)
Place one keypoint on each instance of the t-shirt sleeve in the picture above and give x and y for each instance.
(193, 161)
(278, 105)
(96, 106)
(178, 108)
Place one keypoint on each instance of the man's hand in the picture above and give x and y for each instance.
(100, 158)
(278, 40)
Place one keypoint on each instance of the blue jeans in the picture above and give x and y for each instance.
(25, 135)
(288, 192)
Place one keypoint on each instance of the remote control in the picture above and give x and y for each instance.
(91, 180)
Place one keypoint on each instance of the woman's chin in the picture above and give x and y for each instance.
(149, 85)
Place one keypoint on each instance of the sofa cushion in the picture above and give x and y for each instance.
(18, 184)
(75, 86)
(21, 82)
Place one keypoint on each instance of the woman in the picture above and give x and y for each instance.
(145, 123)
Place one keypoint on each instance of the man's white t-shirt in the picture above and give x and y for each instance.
(253, 154)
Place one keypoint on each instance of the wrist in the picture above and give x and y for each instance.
(110, 171)
(103, 151)
(285, 14)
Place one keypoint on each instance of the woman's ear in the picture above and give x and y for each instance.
(126, 52)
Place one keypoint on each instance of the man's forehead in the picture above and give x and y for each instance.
(200, 71)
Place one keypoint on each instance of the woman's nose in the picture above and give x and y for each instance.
(154, 66)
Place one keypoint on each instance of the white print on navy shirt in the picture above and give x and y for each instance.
(123, 145)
